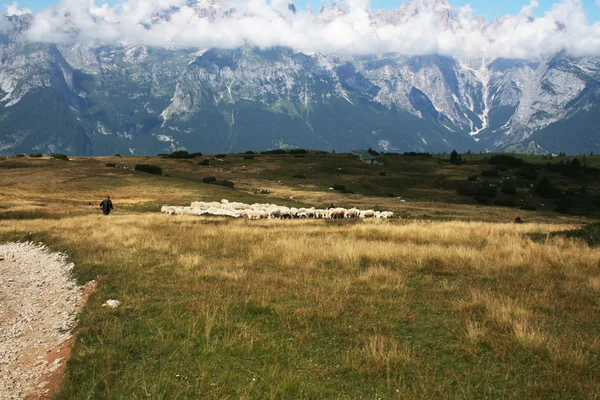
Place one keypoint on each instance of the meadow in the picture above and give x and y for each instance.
(452, 301)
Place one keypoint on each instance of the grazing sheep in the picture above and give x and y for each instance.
(264, 211)
(352, 213)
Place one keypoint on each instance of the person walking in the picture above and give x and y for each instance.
(106, 205)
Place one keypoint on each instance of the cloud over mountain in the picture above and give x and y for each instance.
(418, 27)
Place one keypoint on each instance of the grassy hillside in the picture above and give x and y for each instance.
(441, 304)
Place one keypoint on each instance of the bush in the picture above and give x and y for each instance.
(564, 205)
(110, 164)
(60, 156)
(196, 154)
(19, 155)
(338, 187)
(227, 183)
(506, 160)
(248, 157)
(299, 176)
(206, 161)
(489, 172)
(455, 158)
(346, 191)
(382, 173)
(250, 152)
(528, 207)
(501, 168)
(482, 199)
(590, 234)
(506, 203)
(528, 172)
(414, 154)
(162, 155)
(221, 156)
(473, 178)
(509, 188)
(117, 155)
(299, 156)
(480, 190)
(148, 168)
(209, 179)
(468, 189)
(36, 155)
(545, 189)
(276, 151)
(180, 154)
(372, 152)
(298, 151)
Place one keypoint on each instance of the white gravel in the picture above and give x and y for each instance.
(38, 305)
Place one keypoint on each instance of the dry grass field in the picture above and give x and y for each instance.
(457, 307)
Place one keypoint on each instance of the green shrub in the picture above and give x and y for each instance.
(338, 187)
(455, 158)
(589, 233)
(528, 172)
(117, 155)
(415, 154)
(19, 155)
(382, 173)
(506, 202)
(501, 168)
(148, 168)
(509, 188)
(36, 155)
(506, 160)
(181, 154)
(482, 199)
(481, 189)
(528, 207)
(206, 161)
(248, 157)
(162, 155)
(347, 191)
(209, 179)
(299, 176)
(298, 151)
(221, 156)
(545, 189)
(473, 178)
(250, 152)
(276, 151)
(110, 164)
(226, 183)
(467, 189)
(60, 156)
(564, 205)
(299, 155)
(489, 172)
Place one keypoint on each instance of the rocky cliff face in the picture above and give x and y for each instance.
(92, 100)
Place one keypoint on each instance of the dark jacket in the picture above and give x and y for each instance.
(106, 206)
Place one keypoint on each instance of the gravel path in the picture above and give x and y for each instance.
(38, 306)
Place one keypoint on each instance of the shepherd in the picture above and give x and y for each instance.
(106, 205)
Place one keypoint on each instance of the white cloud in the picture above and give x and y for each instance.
(420, 27)
(13, 9)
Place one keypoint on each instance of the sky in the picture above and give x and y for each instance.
(489, 9)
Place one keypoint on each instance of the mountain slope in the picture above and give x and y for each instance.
(96, 100)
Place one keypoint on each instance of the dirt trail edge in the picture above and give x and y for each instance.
(39, 301)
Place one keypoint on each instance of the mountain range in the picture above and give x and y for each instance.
(100, 99)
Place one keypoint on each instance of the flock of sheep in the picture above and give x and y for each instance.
(270, 211)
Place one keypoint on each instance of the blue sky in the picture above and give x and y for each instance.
(487, 8)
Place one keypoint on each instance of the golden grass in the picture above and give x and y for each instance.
(397, 307)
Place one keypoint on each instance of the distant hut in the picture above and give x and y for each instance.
(365, 156)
